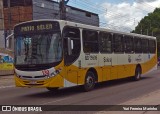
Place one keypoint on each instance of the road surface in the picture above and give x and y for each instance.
(108, 93)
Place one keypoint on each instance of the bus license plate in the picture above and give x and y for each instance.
(32, 82)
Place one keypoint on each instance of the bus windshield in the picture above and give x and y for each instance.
(41, 48)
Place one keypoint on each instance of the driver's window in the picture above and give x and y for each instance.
(74, 34)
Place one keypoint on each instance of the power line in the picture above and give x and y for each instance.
(101, 8)
(43, 13)
(104, 11)
(78, 17)
(96, 8)
(107, 12)
(72, 16)
(110, 15)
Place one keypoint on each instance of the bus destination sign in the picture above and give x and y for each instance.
(40, 26)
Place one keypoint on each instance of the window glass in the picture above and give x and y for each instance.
(145, 46)
(90, 41)
(137, 44)
(152, 46)
(128, 46)
(118, 43)
(74, 34)
(105, 42)
(40, 48)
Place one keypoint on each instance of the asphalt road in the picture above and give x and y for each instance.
(108, 93)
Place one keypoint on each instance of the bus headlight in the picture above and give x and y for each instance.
(54, 73)
(17, 75)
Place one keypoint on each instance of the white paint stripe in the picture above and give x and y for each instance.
(10, 86)
(55, 101)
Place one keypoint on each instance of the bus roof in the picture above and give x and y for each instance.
(69, 23)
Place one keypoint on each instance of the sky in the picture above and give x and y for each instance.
(121, 15)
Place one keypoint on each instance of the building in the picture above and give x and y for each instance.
(25, 10)
(44, 9)
(1, 15)
(1, 26)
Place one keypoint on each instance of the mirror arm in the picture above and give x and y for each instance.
(69, 46)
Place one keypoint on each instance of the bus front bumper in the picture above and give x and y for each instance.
(56, 81)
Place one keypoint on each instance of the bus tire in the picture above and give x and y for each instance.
(52, 89)
(89, 81)
(137, 74)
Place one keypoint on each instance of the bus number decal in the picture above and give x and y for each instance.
(139, 58)
(87, 57)
(107, 59)
(90, 57)
(129, 58)
(45, 72)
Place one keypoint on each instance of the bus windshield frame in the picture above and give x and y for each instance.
(38, 43)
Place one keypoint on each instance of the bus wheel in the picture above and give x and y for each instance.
(137, 74)
(52, 89)
(89, 81)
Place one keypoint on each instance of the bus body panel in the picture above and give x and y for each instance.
(108, 66)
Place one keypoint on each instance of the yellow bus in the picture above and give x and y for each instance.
(55, 53)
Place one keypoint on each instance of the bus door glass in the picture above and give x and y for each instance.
(72, 48)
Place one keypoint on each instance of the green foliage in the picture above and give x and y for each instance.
(150, 25)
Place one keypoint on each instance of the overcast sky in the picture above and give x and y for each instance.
(121, 15)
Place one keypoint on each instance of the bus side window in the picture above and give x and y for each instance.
(128, 44)
(74, 34)
(105, 44)
(138, 45)
(90, 41)
(145, 46)
(152, 46)
(118, 43)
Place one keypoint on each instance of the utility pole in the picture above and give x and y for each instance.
(62, 9)
(9, 23)
(9, 16)
(141, 29)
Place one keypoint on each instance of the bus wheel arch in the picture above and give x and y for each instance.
(95, 73)
(90, 79)
(138, 72)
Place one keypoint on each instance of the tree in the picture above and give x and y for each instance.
(150, 25)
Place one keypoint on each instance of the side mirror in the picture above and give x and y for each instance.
(9, 44)
(70, 46)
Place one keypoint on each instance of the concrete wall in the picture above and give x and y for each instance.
(2, 42)
(43, 9)
(1, 15)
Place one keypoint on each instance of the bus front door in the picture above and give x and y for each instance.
(71, 76)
